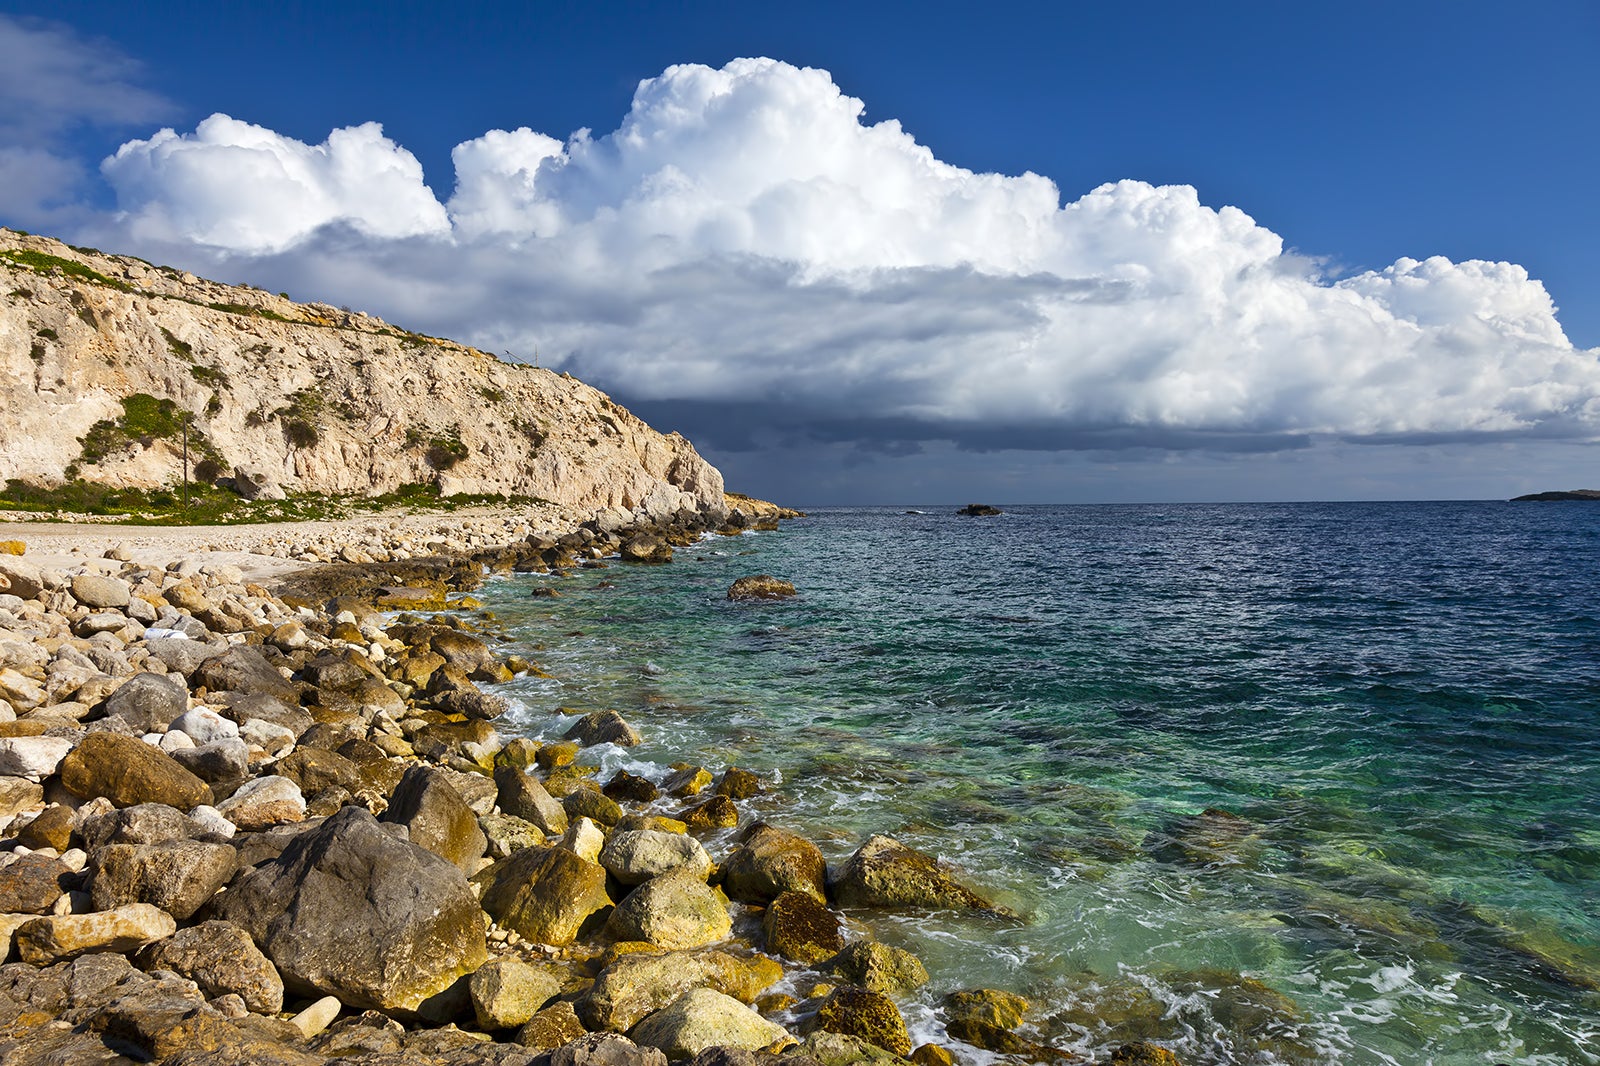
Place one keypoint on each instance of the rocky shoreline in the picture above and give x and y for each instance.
(245, 824)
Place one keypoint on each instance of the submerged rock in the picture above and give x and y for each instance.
(885, 873)
(760, 587)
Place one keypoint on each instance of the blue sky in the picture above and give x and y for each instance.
(1361, 135)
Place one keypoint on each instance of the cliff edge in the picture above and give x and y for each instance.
(103, 358)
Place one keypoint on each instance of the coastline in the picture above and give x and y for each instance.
(369, 718)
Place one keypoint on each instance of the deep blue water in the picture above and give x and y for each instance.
(1396, 705)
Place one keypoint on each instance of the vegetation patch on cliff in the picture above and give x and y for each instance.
(45, 263)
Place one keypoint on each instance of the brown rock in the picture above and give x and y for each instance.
(221, 958)
(869, 1016)
(128, 771)
(772, 861)
(547, 895)
(555, 1026)
(31, 884)
(799, 928)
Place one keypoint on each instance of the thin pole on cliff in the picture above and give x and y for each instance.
(186, 463)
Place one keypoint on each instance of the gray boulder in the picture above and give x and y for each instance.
(634, 857)
(352, 911)
(437, 818)
(244, 669)
(606, 1049)
(676, 910)
(178, 876)
(221, 958)
(148, 702)
(98, 591)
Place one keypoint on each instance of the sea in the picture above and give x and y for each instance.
(1266, 783)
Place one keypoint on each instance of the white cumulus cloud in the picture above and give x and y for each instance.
(746, 242)
(248, 189)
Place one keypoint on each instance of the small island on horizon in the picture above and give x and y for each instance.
(1569, 494)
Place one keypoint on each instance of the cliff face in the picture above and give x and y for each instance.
(102, 355)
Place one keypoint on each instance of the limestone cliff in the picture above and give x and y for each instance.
(102, 355)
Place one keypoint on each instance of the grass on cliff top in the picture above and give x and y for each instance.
(44, 263)
(216, 505)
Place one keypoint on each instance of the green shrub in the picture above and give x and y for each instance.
(47, 334)
(246, 309)
(301, 434)
(36, 353)
(446, 450)
(44, 263)
(182, 349)
(210, 376)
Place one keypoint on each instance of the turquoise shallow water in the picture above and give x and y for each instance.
(1391, 710)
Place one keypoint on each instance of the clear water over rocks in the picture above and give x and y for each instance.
(1271, 783)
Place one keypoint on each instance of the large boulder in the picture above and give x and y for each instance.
(148, 702)
(639, 983)
(521, 795)
(799, 928)
(126, 929)
(507, 993)
(885, 873)
(770, 862)
(603, 727)
(178, 876)
(547, 895)
(646, 548)
(880, 968)
(437, 818)
(350, 910)
(676, 910)
(634, 857)
(99, 591)
(702, 1018)
(221, 958)
(870, 1016)
(19, 577)
(243, 668)
(127, 771)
